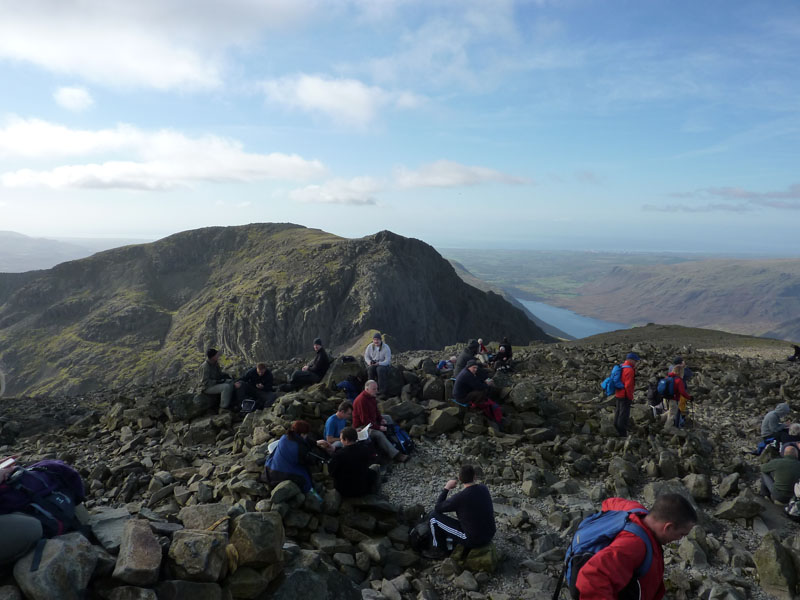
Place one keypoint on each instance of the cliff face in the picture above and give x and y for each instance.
(258, 292)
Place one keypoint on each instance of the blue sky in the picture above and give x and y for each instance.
(576, 124)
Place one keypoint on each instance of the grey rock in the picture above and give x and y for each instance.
(258, 538)
(179, 589)
(139, 559)
(67, 564)
(199, 555)
(776, 570)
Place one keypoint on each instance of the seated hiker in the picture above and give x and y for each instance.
(467, 354)
(378, 357)
(336, 422)
(471, 390)
(610, 572)
(474, 526)
(311, 373)
(447, 365)
(483, 353)
(365, 412)
(779, 475)
(20, 531)
(772, 425)
(350, 467)
(214, 381)
(256, 384)
(796, 356)
(677, 404)
(502, 360)
(792, 437)
(351, 386)
(290, 459)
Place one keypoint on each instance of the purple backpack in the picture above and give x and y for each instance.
(48, 490)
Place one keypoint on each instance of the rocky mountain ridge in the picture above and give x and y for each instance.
(257, 292)
(162, 469)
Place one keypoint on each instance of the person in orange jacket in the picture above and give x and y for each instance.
(677, 406)
(624, 395)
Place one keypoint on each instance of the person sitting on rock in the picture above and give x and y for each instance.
(351, 468)
(378, 357)
(447, 365)
(365, 412)
(290, 459)
(474, 526)
(472, 390)
(313, 372)
(467, 354)
(677, 404)
(502, 360)
(336, 422)
(214, 381)
(772, 425)
(796, 356)
(20, 531)
(256, 384)
(609, 574)
(779, 475)
(483, 353)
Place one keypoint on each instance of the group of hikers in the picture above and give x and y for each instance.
(780, 477)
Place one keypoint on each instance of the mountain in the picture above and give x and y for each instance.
(20, 253)
(469, 278)
(257, 292)
(754, 297)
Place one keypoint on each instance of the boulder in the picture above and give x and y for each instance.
(66, 566)
(179, 589)
(107, 525)
(743, 506)
(523, 396)
(433, 389)
(185, 407)
(699, 486)
(444, 420)
(139, 559)
(199, 555)
(202, 516)
(129, 592)
(776, 570)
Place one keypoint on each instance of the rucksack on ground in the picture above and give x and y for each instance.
(613, 382)
(595, 533)
(401, 440)
(49, 490)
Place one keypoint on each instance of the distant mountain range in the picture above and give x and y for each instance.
(257, 292)
(19, 253)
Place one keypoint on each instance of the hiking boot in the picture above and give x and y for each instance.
(401, 457)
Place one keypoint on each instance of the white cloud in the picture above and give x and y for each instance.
(359, 191)
(347, 101)
(147, 43)
(446, 173)
(149, 160)
(73, 98)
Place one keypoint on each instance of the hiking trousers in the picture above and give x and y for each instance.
(622, 415)
(225, 390)
(379, 373)
(20, 534)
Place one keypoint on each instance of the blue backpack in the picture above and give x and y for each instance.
(595, 533)
(401, 440)
(613, 382)
(666, 388)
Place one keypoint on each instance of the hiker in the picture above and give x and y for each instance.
(290, 459)
(467, 354)
(677, 404)
(20, 531)
(474, 526)
(447, 365)
(796, 356)
(609, 574)
(311, 373)
(378, 357)
(772, 427)
(779, 475)
(215, 381)
(624, 395)
(256, 385)
(483, 353)
(502, 360)
(350, 467)
(471, 390)
(365, 412)
(336, 422)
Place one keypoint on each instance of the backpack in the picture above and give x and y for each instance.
(401, 440)
(666, 388)
(613, 382)
(420, 536)
(595, 533)
(48, 490)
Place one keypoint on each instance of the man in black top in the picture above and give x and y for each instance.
(350, 466)
(314, 371)
(256, 384)
(467, 354)
(473, 506)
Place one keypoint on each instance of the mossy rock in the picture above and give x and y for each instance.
(485, 559)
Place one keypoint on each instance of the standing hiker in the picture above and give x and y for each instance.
(624, 395)
(677, 404)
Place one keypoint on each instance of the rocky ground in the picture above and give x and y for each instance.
(161, 457)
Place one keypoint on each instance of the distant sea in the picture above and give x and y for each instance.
(570, 322)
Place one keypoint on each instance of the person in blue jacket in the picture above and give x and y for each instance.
(290, 459)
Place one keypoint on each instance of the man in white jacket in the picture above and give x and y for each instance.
(378, 357)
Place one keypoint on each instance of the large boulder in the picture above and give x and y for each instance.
(444, 420)
(743, 506)
(67, 564)
(258, 538)
(185, 407)
(776, 569)
(139, 557)
(199, 555)
(341, 369)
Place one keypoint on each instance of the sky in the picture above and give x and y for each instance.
(640, 125)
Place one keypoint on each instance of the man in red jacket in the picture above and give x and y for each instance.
(624, 395)
(608, 575)
(365, 412)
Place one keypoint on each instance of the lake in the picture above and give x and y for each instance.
(570, 322)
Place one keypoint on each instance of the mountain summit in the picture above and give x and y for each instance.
(257, 292)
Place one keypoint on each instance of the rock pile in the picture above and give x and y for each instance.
(176, 508)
